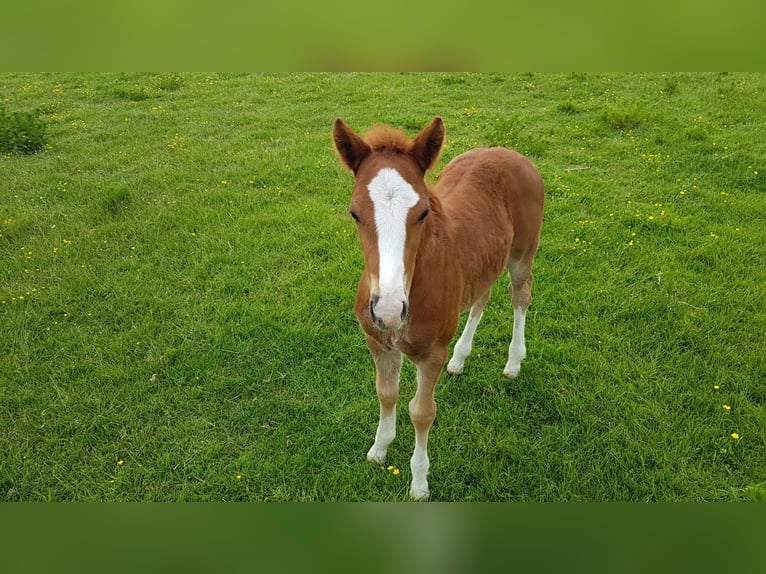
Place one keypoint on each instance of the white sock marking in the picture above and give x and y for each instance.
(517, 349)
(464, 345)
(383, 438)
(419, 464)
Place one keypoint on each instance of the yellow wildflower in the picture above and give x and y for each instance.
(735, 435)
(726, 408)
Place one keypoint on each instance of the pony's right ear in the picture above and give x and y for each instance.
(350, 147)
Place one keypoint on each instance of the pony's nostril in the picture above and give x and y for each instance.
(405, 308)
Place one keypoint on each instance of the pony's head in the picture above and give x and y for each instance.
(390, 205)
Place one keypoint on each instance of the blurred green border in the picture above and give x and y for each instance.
(397, 35)
(421, 538)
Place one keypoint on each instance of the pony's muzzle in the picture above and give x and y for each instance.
(390, 313)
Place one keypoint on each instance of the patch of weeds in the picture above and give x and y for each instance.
(696, 134)
(503, 132)
(21, 132)
(670, 86)
(115, 200)
(757, 492)
(568, 107)
(414, 124)
(132, 93)
(453, 80)
(168, 83)
(534, 148)
(621, 120)
(152, 88)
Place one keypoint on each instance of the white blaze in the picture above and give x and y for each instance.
(392, 197)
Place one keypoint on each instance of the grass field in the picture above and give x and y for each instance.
(177, 269)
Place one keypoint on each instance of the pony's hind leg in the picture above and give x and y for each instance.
(521, 294)
(464, 344)
(388, 364)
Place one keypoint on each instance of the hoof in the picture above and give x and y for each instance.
(376, 455)
(454, 368)
(419, 494)
(511, 371)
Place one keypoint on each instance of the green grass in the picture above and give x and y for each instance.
(177, 272)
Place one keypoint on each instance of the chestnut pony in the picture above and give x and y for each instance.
(431, 254)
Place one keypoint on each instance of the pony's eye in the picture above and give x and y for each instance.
(354, 215)
(423, 215)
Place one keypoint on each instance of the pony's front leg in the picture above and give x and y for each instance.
(422, 415)
(388, 364)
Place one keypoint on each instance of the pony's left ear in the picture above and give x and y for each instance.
(428, 144)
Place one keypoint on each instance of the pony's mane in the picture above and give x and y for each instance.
(386, 138)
